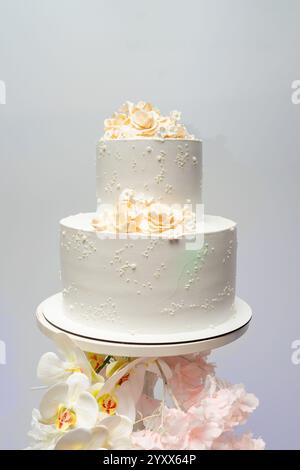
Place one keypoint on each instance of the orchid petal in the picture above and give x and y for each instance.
(76, 439)
(98, 438)
(77, 383)
(123, 443)
(86, 410)
(82, 439)
(65, 346)
(136, 381)
(123, 429)
(54, 397)
(72, 353)
(51, 369)
(110, 422)
(126, 405)
(114, 379)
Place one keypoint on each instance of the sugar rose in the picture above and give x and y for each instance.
(135, 213)
(144, 118)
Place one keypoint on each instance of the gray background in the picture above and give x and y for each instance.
(228, 66)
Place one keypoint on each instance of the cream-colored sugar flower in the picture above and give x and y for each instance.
(145, 106)
(142, 119)
(126, 107)
(136, 213)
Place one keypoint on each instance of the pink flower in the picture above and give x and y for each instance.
(229, 441)
(202, 435)
(167, 430)
(176, 429)
(243, 404)
(201, 428)
(210, 408)
(201, 359)
(188, 377)
(229, 405)
(146, 440)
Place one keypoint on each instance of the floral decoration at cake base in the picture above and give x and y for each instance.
(95, 402)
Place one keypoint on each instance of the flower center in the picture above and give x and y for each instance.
(65, 418)
(123, 379)
(108, 404)
(96, 360)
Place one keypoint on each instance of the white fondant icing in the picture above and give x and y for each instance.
(144, 284)
(170, 173)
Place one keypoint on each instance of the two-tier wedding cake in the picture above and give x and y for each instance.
(146, 267)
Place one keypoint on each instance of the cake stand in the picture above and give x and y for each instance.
(182, 344)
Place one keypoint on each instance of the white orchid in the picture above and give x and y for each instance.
(53, 368)
(113, 433)
(118, 395)
(114, 401)
(128, 375)
(122, 390)
(69, 405)
(133, 374)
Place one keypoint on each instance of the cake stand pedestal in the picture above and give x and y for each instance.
(143, 350)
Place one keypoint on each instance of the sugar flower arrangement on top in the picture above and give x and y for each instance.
(95, 402)
(144, 120)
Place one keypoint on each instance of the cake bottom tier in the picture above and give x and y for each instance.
(142, 286)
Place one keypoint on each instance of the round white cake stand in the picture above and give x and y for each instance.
(233, 331)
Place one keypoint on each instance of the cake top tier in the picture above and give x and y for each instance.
(142, 120)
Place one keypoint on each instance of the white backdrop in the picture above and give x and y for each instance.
(228, 66)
